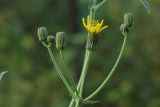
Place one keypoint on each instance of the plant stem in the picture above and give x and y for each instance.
(59, 71)
(100, 4)
(77, 104)
(82, 77)
(84, 71)
(68, 72)
(83, 74)
(87, 54)
(72, 103)
(110, 74)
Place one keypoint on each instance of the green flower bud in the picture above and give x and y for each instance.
(128, 19)
(60, 40)
(50, 40)
(128, 24)
(42, 34)
(124, 29)
(92, 41)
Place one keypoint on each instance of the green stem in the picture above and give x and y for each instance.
(84, 71)
(59, 72)
(87, 57)
(68, 72)
(92, 15)
(110, 75)
(72, 103)
(77, 104)
(82, 77)
(100, 4)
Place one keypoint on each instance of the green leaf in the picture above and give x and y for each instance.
(146, 5)
(2, 74)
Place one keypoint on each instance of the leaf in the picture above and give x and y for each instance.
(2, 74)
(146, 5)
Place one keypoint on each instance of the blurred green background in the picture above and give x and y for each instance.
(32, 82)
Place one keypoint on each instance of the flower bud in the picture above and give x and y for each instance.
(50, 39)
(91, 41)
(128, 24)
(124, 29)
(42, 34)
(128, 19)
(60, 40)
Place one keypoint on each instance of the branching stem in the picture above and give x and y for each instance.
(110, 74)
(59, 72)
(68, 72)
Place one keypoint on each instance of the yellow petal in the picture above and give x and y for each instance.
(101, 23)
(92, 29)
(89, 27)
(84, 23)
(103, 28)
(98, 28)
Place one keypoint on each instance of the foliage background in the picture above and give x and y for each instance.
(32, 82)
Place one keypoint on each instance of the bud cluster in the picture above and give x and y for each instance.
(48, 40)
(128, 24)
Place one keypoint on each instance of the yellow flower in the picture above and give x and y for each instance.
(93, 26)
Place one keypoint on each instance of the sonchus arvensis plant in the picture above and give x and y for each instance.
(94, 29)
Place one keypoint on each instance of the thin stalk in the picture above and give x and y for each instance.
(79, 83)
(59, 71)
(87, 55)
(84, 71)
(92, 15)
(83, 75)
(100, 4)
(72, 103)
(68, 72)
(77, 104)
(110, 74)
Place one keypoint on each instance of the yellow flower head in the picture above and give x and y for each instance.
(93, 26)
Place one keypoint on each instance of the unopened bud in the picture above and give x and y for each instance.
(124, 29)
(42, 34)
(60, 40)
(91, 41)
(128, 19)
(50, 39)
(128, 24)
